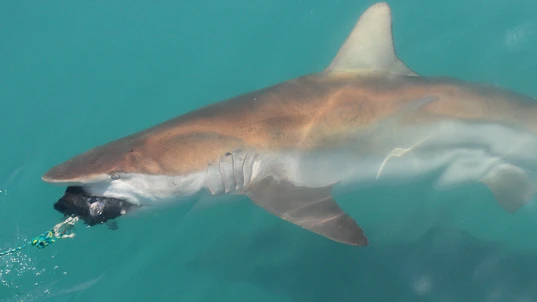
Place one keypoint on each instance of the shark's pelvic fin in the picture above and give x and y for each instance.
(511, 186)
(369, 47)
(311, 208)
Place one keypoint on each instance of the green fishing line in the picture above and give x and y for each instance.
(59, 231)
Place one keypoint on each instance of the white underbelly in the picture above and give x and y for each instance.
(150, 190)
(455, 152)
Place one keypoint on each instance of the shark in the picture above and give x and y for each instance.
(366, 118)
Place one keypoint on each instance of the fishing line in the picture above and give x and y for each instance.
(64, 229)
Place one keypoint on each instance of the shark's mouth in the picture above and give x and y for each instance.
(91, 209)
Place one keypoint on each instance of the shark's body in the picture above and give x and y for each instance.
(366, 118)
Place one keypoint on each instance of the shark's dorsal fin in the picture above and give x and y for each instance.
(369, 47)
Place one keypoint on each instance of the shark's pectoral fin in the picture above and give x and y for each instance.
(511, 186)
(311, 208)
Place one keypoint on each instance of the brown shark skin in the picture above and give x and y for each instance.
(313, 112)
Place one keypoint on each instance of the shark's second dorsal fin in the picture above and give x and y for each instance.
(369, 47)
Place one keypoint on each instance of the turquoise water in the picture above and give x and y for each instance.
(77, 74)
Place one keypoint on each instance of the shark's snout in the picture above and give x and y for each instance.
(92, 209)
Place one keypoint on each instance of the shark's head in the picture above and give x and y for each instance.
(88, 178)
(111, 180)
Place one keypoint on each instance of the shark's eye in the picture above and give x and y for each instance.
(114, 176)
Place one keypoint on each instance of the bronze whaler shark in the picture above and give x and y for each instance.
(366, 118)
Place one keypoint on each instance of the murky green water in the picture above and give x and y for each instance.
(77, 74)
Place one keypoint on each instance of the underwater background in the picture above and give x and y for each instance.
(75, 74)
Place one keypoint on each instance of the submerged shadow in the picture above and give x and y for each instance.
(443, 265)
